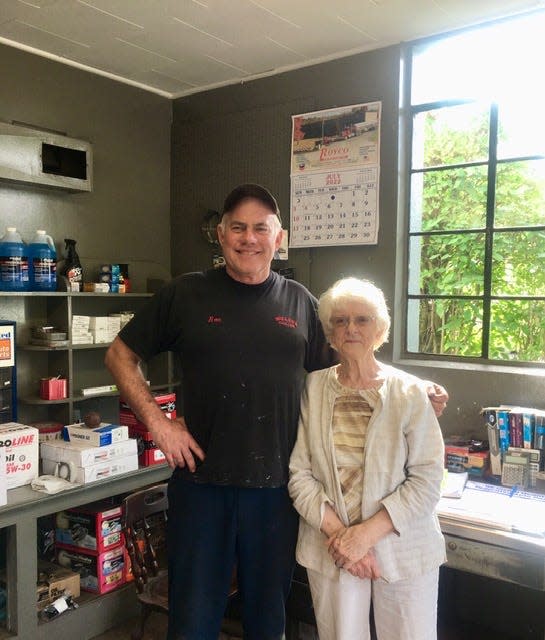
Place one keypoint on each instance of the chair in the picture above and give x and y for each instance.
(144, 527)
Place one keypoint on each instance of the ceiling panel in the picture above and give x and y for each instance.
(177, 47)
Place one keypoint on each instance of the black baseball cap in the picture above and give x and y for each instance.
(253, 191)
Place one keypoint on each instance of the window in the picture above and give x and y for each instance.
(476, 254)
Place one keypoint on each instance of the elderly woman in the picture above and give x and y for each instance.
(365, 477)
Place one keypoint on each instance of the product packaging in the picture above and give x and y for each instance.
(53, 388)
(21, 448)
(54, 582)
(83, 475)
(98, 573)
(83, 455)
(94, 527)
(96, 437)
(3, 478)
(148, 452)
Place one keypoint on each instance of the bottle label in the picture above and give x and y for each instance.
(45, 270)
(14, 269)
(74, 274)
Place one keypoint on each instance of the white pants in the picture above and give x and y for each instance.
(403, 610)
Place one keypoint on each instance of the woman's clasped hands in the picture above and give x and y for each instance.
(350, 551)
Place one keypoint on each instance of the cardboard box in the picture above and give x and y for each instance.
(97, 573)
(105, 323)
(148, 453)
(92, 473)
(54, 582)
(166, 402)
(99, 436)
(85, 456)
(3, 478)
(462, 456)
(53, 388)
(94, 527)
(20, 445)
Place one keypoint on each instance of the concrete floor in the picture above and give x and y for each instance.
(156, 629)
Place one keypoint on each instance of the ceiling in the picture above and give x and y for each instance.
(178, 47)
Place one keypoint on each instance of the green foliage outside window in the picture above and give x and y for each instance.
(447, 197)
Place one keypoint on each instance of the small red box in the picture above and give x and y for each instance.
(148, 453)
(53, 388)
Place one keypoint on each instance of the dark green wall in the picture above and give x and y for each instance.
(242, 133)
(126, 216)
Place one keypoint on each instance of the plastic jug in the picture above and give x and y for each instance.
(13, 262)
(42, 263)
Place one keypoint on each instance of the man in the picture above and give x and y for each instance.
(245, 337)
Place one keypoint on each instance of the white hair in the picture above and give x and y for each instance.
(355, 290)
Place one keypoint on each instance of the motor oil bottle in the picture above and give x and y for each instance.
(42, 263)
(71, 267)
(13, 262)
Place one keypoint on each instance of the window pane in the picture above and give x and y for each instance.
(517, 265)
(517, 330)
(520, 193)
(447, 264)
(447, 327)
(521, 131)
(449, 199)
(494, 61)
(450, 68)
(450, 135)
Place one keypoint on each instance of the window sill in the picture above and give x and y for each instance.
(534, 372)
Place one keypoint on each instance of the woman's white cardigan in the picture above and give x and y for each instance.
(403, 472)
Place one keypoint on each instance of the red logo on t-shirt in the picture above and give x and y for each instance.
(212, 319)
(286, 321)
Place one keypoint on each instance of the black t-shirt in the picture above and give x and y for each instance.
(243, 353)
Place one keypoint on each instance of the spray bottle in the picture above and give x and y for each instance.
(71, 268)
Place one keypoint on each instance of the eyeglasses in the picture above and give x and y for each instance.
(342, 322)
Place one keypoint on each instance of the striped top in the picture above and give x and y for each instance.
(351, 414)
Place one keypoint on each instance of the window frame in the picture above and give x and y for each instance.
(406, 172)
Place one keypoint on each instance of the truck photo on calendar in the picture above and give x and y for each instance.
(335, 160)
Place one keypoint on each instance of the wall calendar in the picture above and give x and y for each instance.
(335, 164)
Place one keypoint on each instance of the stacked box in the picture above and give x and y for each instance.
(99, 436)
(111, 274)
(104, 328)
(79, 333)
(20, 445)
(3, 478)
(77, 461)
(99, 573)
(148, 452)
(92, 473)
(93, 527)
(466, 455)
(54, 582)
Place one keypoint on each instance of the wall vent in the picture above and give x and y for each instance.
(30, 156)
